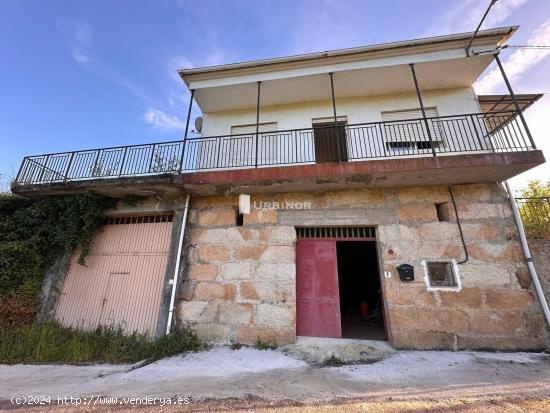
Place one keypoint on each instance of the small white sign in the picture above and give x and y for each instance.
(244, 204)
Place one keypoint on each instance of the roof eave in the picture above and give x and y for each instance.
(504, 32)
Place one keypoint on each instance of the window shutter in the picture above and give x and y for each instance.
(262, 127)
(413, 131)
(242, 148)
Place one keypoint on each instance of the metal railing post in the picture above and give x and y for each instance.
(151, 159)
(422, 107)
(18, 176)
(94, 166)
(44, 168)
(218, 152)
(514, 99)
(186, 129)
(477, 132)
(122, 162)
(66, 175)
(382, 139)
(257, 121)
(331, 74)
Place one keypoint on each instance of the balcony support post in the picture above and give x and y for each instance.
(257, 120)
(186, 129)
(338, 158)
(420, 101)
(514, 99)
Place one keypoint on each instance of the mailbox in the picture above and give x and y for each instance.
(406, 272)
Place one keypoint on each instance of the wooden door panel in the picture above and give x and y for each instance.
(330, 141)
(317, 295)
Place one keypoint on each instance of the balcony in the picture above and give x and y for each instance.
(484, 146)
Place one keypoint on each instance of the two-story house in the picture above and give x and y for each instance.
(352, 193)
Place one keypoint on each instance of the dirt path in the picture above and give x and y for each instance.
(252, 380)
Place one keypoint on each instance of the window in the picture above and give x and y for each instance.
(441, 275)
(242, 148)
(405, 131)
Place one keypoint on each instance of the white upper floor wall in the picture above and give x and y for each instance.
(355, 110)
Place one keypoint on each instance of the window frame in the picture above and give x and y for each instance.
(456, 276)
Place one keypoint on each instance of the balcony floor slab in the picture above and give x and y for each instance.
(403, 171)
(153, 185)
(449, 169)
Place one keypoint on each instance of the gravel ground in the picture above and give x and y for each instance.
(252, 380)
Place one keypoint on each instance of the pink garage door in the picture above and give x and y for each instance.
(317, 294)
(121, 284)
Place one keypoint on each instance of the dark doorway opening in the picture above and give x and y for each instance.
(361, 305)
(330, 142)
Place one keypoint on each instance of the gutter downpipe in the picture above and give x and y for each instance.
(177, 268)
(528, 258)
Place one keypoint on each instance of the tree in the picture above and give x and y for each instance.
(534, 208)
(536, 188)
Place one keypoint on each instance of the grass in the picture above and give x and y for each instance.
(264, 345)
(235, 346)
(51, 343)
(333, 361)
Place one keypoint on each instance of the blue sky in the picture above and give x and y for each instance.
(83, 74)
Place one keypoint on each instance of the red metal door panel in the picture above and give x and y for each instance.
(317, 295)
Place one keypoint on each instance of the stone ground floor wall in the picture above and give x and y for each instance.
(240, 281)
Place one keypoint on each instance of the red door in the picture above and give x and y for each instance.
(317, 295)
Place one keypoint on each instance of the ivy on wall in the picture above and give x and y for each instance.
(33, 234)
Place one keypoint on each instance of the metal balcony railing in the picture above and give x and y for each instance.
(535, 215)
(338, 142)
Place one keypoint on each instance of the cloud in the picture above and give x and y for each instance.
(83, 33)
(79, 56)
(176, 93)
(81, 41)
(466, 16)
(518, 63)
(162, 120)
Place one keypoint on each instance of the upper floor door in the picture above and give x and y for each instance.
(330, 140)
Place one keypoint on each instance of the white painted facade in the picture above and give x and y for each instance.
(357, 110)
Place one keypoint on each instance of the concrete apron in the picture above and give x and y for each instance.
(318, 349)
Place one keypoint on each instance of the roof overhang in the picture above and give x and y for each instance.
(440, 61)
(497, 104)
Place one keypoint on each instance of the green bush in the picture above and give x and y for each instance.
(33, 234)
(51, 343)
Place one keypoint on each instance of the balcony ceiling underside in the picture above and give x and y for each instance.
(375, 81)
